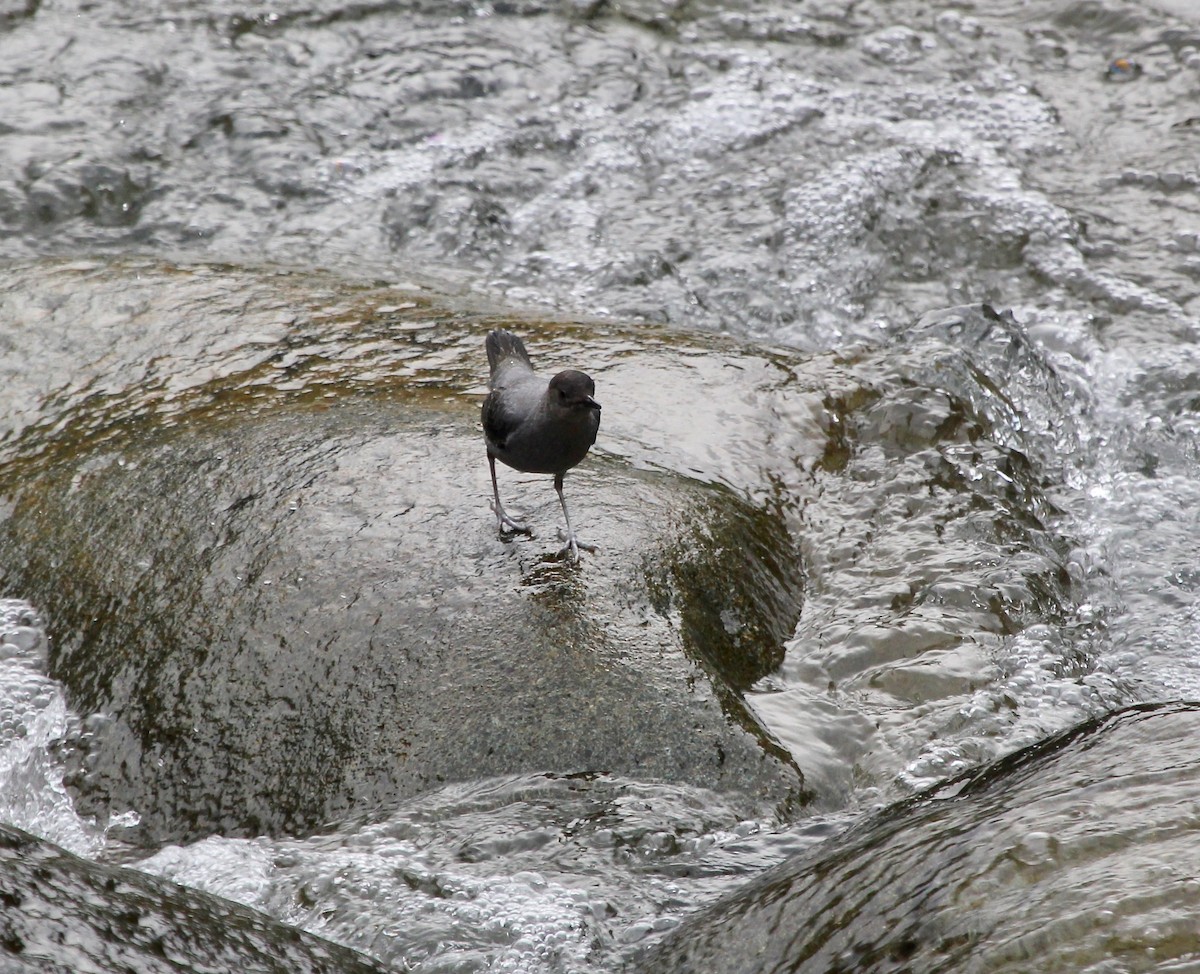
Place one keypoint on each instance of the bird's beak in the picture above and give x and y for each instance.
(592, 404)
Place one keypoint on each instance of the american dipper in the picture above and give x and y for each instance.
(534, 426)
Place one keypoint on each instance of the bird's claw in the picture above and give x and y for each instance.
(504, 521)
(574, 545)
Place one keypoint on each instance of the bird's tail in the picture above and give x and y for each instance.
(502, 345)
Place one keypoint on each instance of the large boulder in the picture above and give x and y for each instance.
(279, 587)
(255, 509)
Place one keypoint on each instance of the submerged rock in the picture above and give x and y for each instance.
(283, 583)
(254, 509)
(1078, 851)
(302, 613)
(61, 914)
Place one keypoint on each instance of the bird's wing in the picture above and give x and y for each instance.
(502, 415)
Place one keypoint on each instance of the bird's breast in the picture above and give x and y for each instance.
(549, 443)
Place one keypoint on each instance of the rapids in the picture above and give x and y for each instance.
(892, 308)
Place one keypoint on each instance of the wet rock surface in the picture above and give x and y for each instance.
(60, 915)
(333, 624)
(274, 578)
(964, 877)
(994, 522)
(288, 602)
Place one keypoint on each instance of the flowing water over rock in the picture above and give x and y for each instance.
(1029, 864)
(260, 636)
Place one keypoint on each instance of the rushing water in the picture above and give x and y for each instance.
(822, 176)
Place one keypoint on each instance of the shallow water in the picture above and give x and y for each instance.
(534, 873)
(819, 177)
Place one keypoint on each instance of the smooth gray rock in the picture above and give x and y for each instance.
(284, 584)
(254, 508)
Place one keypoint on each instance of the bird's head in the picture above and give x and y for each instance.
(573, 390)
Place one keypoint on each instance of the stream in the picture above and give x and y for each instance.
(886, 659)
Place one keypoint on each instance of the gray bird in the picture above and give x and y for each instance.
(534, 426)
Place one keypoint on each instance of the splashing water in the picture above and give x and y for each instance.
(36, 727)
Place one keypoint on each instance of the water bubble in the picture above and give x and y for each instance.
(25, 638)
(636, 931)
(1035, 849)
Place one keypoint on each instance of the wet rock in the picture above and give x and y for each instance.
(60, 914)
(254, 508)
(14, 11)
(301, 613)
(284, 584)
(1092, 828)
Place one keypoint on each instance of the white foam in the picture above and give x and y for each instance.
(35, 722)
(386, 896)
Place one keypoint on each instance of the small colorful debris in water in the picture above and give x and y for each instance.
(1122, 69)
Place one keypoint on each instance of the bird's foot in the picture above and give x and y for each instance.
(574, 545)
(504, 521)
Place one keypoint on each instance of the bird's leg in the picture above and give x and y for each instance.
(573, 543)
(502, 519)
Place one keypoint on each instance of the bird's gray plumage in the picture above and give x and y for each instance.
(533, 425)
